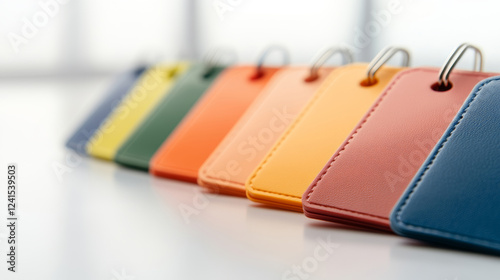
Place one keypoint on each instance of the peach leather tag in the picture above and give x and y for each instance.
(237, 156)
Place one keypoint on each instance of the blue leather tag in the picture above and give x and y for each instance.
(86, 130)
(455, 197)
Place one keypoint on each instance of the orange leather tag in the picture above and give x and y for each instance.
(237, 156)
(183, 153)
(366, 176)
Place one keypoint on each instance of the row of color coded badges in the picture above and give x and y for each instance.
(414, 151)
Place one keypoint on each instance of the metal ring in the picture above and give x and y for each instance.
(444, 73)
(213, 57)
(265, 54)
(382, 57)
(323, 57)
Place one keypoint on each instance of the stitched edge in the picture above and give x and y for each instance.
(422, 174)
(365, 119)
(299, 119)
(275, 203)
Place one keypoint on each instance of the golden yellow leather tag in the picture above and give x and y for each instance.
(300, 154)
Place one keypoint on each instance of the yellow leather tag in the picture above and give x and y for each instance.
(149, 89)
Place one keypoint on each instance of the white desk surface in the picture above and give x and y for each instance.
(103, 221)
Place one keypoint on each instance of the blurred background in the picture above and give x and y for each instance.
(51, 38)
(102, 221)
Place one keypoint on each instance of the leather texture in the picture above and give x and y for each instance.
(364, 179)
(455, 195)
(123, 84)
(196, 137)
(295, 160)
(150, 88)
(140, 147)
(237, 156)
